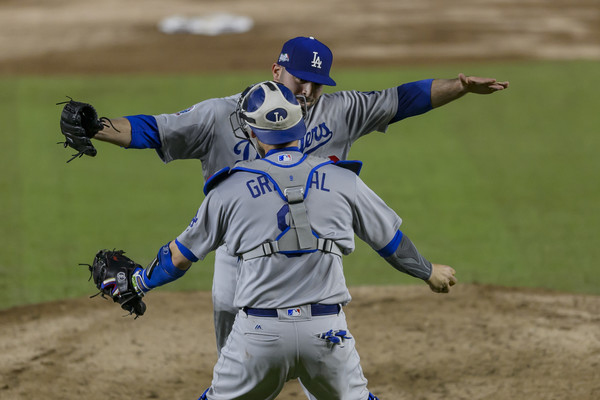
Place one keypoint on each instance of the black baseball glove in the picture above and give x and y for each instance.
(111, 272)
(79, 123)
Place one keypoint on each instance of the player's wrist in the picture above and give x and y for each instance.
(139, 283)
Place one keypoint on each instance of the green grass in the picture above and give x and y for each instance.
(503, 187)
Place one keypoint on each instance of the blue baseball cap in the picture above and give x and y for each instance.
(308, 59)
(273, 113)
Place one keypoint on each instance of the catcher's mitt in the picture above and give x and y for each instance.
(79, 123)
(111, 272)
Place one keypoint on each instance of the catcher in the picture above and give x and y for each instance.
(288, 218)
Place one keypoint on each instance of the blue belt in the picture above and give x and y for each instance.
(315, 309)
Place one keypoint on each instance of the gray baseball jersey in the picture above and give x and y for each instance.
(248, 209)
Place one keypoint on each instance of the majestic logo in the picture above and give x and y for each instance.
(277, 115)
(187, 110)
(283, 57)
(293, 312)
(316, 61)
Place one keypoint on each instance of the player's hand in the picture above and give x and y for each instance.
(442, 277)
(474, 84)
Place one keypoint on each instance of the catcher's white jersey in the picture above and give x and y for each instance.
(246, 210)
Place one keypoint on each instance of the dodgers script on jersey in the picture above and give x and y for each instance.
(337, 120)
(246, 210)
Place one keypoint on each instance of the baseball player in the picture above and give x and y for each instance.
(334, 121)
(288, 218)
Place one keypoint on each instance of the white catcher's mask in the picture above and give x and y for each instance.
(271, 111)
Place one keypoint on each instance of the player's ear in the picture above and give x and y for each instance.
(276, 69)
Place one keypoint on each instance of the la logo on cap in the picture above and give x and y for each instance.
(308, 59)
(316, 61)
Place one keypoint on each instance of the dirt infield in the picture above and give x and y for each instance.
(479, 342)
(105, 36)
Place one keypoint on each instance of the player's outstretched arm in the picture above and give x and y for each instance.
(405, 257)
(117, 132)
(169, 265)
(442, 277)
(79, 123)
(443, 91)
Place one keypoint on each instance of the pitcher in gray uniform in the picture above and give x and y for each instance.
(288, 219)
(334, 121)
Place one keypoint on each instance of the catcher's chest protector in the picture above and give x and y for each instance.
(292, 184)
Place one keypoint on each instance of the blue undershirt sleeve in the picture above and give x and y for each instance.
(414, 98)
(144, 132)
(187, 253)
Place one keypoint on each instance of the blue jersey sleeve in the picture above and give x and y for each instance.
(414, 98)
(144, 132)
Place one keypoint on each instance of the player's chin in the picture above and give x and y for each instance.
(310, 102)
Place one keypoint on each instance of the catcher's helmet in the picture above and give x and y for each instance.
(272, 112)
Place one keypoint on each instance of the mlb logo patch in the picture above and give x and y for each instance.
(293, 312)
(285, 157)
(283, 57)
